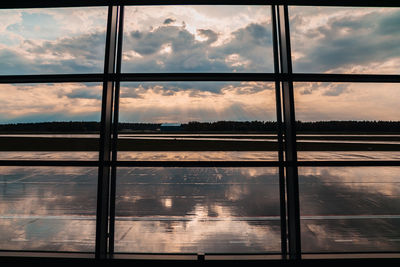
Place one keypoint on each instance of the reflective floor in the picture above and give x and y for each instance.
(220, 210)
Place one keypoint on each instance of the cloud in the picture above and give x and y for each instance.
(346, 101)
(170, 102)
(137, 89)
(87, 46)
(169, 21)
(163, 48)
(325, 89)
(84, 93)
(11, 63)
(349, 42)
(389, 25)
(49, 102)
(210, 35)
(41, 41)
(175, 49)
(336, 89)
(82, 54)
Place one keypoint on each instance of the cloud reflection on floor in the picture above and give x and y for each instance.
(219, 210)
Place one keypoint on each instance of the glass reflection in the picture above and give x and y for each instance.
(198, 155)
(48, 155)
(48, 208)
(349, 209)
(220, 210)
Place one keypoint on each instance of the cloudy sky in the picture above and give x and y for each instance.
(199, 39)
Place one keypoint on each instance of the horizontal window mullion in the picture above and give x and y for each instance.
(203, 77)
(51, 3)
(87, 163)
(197, 164)
(141, 163)
(199, 2)
(172, 77)
(355, 78)
(83, 3)
(52, 78)
(349, 3)
(349, 163)
(44, 163)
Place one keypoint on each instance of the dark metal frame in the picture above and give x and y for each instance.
(292, 183)
(82, 3)
(278, 100)
(103, 193)
(283, 77)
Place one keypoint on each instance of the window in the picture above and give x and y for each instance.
(199, 131)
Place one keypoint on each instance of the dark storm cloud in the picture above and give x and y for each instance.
(327, 89)
(253, 44)
(84, 93)
(85, 46)
(348, 41)
(209, 34)
(255, 34)
(336, 89)
(132, 91)
(81, 54)
(169, 21)
(389, 24)
(12, 63)
(146, 43)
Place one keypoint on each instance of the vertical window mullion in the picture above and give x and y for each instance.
(292, 183)
(282, 192)
(103, 192)
(115, 131)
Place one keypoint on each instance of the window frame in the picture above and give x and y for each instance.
(283, 77)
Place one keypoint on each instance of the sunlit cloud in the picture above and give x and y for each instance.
(221, 19)
(49, 102)
(170, 103)
(199, 39)
(345, 101)
(345, 40)
(187, 39)
(41, 41)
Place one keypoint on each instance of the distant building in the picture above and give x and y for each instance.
(168, 127)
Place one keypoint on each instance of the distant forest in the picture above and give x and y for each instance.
(220, 126)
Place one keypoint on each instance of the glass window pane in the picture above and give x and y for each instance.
(348, 121)
(197, 121)
(48, 208)
(197, 210)
(345, 39)
(50, 121)
(349, 209)
(197, 39)
(52, 40)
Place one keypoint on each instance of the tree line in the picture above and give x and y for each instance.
(219, 126)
